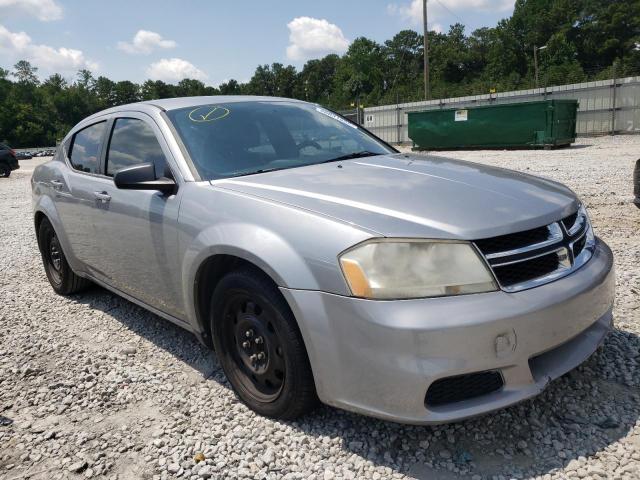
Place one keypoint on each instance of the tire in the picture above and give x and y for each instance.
(5, 170)
(248, 309)
(63, 280)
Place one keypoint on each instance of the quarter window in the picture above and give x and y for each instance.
(85, 151)
(133, 143)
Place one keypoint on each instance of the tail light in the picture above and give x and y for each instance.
(12, 152)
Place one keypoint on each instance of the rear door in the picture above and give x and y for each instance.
(74, 190)
(136, 231)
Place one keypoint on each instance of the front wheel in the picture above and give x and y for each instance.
(5, 171)
(63, 280)
(259, 346)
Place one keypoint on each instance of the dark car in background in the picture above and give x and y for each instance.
(8, 160)
(24, 156)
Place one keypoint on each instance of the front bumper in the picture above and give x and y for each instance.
(380, 357)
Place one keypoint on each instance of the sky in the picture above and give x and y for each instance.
(210, 40)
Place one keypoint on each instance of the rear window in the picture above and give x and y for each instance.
(85, 150)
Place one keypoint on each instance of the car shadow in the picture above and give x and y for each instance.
(577, 416)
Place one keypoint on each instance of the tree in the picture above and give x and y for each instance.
(125, 92)
(86, 80)
(25, 73)
(55, 83)
(315, 82)
(104, 90)
(606, 31)
(262, 82)
(284, 80)
(190, 88)
(153, 89)
(360, 73)
(232, 87)
(404, 61)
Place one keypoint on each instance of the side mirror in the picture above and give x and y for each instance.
(143, 177)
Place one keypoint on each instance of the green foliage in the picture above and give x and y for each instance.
(584, 39)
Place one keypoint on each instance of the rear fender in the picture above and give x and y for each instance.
(43, 204)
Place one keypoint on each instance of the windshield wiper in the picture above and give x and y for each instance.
(349, 156)
(253, 172)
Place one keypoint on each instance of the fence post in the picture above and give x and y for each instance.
(614, 99)
(398, 127)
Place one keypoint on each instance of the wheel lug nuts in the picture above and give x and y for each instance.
(246, 345)
(248, 333)
(253, 358)
(261, 356)
(259, 341)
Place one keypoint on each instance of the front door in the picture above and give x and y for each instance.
(136, 231)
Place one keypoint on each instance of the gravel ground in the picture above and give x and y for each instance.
(92, 385)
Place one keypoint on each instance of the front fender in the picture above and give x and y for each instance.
(257, 245)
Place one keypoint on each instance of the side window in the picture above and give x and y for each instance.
(85, 149)
(132, 143)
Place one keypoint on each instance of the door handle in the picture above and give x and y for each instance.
(57, 184)
(102, 197)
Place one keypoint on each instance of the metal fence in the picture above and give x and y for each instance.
(605, 107)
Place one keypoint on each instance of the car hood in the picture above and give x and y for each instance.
(415, 196)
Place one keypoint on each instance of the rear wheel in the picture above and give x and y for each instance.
(5, 171)
(63, 280)
(259, 346)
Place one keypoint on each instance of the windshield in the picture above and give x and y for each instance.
(233, 139)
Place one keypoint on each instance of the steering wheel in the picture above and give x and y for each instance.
(309, 143)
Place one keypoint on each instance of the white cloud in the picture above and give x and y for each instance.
(173, 70)
(45, 10)
(442, 10)
(19, 46)
(145, 42)
(313, 37)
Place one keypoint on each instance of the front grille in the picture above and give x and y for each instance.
(515, 273)
(463, 387)
(513, 241)
(530, 258)
(579, 245)
(570, 221)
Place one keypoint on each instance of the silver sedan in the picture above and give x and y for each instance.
(322, 264)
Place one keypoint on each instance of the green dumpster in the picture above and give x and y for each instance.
(547, 123)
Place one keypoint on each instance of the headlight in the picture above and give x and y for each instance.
(400, 269)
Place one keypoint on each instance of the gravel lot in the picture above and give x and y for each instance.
(92, 385)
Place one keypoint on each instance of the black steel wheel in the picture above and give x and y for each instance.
(259, 346)
(63, 280)
(5, 171)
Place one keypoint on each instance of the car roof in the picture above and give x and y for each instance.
(183, 102)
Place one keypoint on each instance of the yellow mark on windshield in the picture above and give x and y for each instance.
(208, 114)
